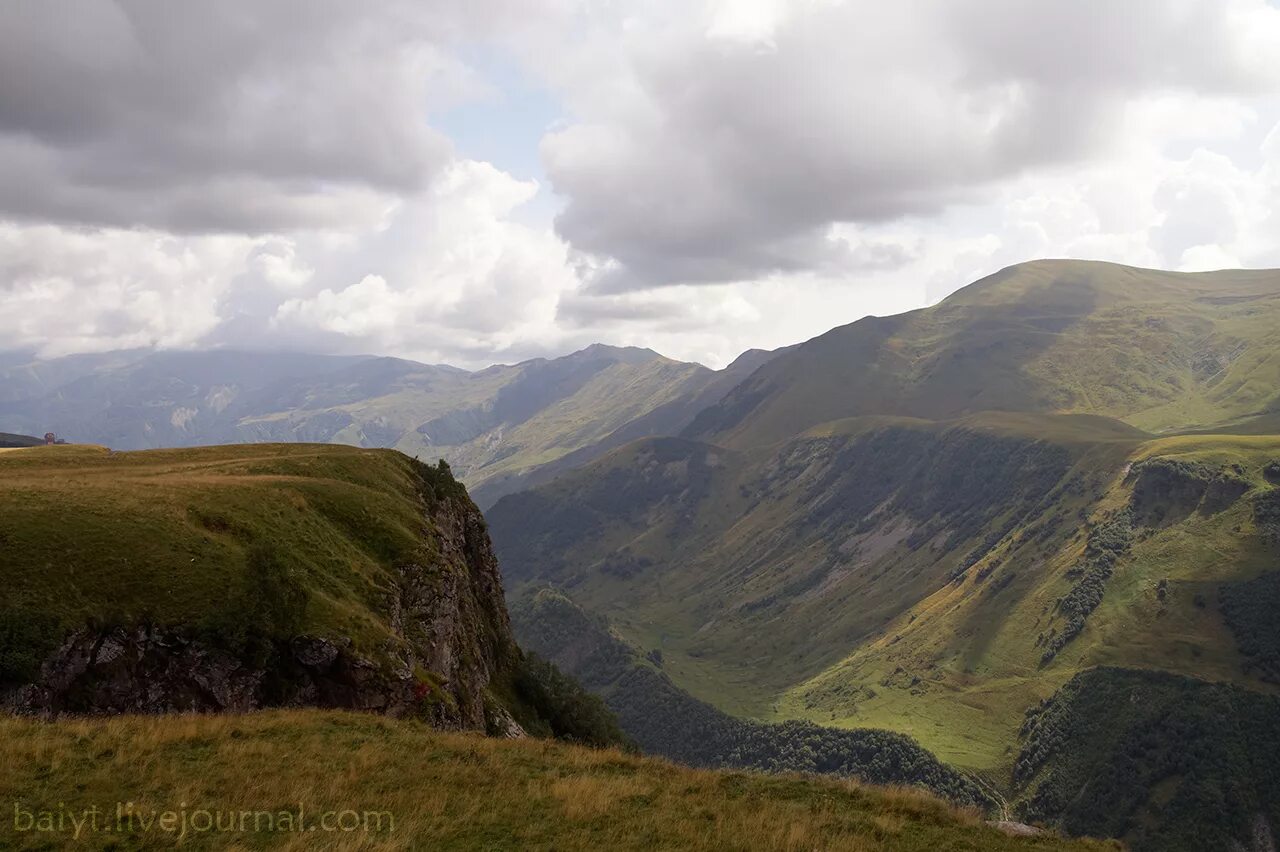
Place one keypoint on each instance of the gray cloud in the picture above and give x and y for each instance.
(235, 115)
(724, 160)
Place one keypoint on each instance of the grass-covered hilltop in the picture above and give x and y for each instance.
(1035, 527)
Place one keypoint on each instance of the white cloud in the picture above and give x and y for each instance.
(67, 291)
(452, 277)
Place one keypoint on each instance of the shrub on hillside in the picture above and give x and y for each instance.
(1107, 542)
(1266, 515)
(1252, 611)
(568, 711)
(1170, 763)
(26, 638)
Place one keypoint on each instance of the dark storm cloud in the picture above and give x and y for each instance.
(230, 115)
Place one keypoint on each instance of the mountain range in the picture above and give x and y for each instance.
(500, 428)
(964, 524)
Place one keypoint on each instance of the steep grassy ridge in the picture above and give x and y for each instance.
(168, 536)
(398, 785)
(233, 577)
(1162, 351)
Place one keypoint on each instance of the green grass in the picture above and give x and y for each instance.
(181, 537)
(430, 790)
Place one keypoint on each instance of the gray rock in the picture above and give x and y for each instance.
(1016, 829)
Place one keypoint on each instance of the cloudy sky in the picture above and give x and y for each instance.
(479, 181)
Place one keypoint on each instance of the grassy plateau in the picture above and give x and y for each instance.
(171, 536)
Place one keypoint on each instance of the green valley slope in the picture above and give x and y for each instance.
(939, 580)
(665, 720)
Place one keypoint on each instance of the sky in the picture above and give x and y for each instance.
(483, 181)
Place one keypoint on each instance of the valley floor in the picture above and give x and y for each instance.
(329, 780)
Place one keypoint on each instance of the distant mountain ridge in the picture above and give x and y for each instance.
(1162, 351)
(13, 442)
(498, 427)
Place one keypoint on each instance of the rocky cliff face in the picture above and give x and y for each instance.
(449, 641)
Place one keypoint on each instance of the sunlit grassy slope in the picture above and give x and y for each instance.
(437, 791)
(974, 646)
(1162, 351)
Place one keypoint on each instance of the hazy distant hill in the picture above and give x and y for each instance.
(496, 426)
(931, 523)
(9, 442)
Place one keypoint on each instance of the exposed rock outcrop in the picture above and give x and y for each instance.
(1166, 490)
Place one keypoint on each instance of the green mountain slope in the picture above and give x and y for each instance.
(932, 523)
(1162, 351)
(1164, 762)
(665, 720)
(760, 569)
(873, 569)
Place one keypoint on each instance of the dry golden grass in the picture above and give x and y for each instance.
(442, 791)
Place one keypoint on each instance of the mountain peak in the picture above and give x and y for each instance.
(626, 354)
